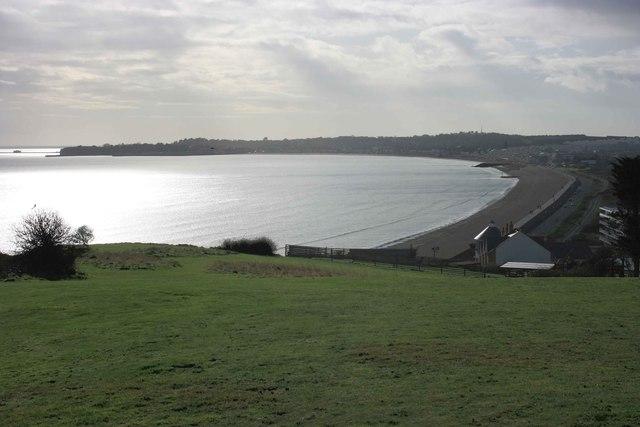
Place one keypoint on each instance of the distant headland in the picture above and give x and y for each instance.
(442, 145)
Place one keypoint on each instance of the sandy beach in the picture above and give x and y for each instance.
(536, 185)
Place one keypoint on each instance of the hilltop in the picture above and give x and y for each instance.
(161, 334)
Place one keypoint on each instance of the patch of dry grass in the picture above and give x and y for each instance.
(270, 269)
(129, 261)
(160, 250)
(444, 353)
(139, 256)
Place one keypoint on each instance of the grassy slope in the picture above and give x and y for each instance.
(184, 345)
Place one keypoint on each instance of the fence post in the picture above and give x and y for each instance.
(441, 270)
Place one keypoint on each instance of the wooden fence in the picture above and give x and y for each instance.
(387, 256)
(383, 258)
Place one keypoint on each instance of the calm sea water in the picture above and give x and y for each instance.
(324, 200)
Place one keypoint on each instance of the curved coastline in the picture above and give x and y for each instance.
(399, 242)
(536, 188)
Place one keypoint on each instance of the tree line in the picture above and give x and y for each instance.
(416, 145)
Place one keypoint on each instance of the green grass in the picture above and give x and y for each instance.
(279, 341)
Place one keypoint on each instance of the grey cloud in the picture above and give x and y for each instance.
(326, 78)
(601, 6)
(332, 13)
(624, 13)
(62, 26)
(463, 42)
(23, 81)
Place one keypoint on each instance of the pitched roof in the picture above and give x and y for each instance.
(535, 240)
(489, 230)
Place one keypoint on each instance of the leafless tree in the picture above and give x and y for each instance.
(45, 246)
(42, 230)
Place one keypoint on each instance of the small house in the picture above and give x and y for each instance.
(493, 248)
(518, 247)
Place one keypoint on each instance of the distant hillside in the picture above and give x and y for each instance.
(438, 145)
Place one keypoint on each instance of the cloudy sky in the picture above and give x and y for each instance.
(90, 72)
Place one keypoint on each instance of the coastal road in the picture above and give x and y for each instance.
(565, 223)
(587, 218)
(565, 211)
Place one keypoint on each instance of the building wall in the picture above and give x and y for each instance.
(521, 248)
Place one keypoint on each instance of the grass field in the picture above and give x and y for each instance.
(186, 336)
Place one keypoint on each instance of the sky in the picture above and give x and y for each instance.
(94, 72)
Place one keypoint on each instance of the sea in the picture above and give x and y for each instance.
(343, 201)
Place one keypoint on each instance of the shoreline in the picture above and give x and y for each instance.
(537, 188)
(399, 242)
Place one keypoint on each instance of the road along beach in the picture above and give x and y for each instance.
(538, 190)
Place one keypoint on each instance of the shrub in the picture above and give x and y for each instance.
(6, 265)
(604, 262)
(45, 248)
(257, 246)
(82, 236)
(53, 263)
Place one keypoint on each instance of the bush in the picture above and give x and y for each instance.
(604, 262)
(82, 236)
(6, 265)
(257, 246)
(52, 263)
(45, 246)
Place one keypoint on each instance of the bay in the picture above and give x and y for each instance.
(322, 200)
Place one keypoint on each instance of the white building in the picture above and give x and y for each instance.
(492, 248)
(518, 247)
